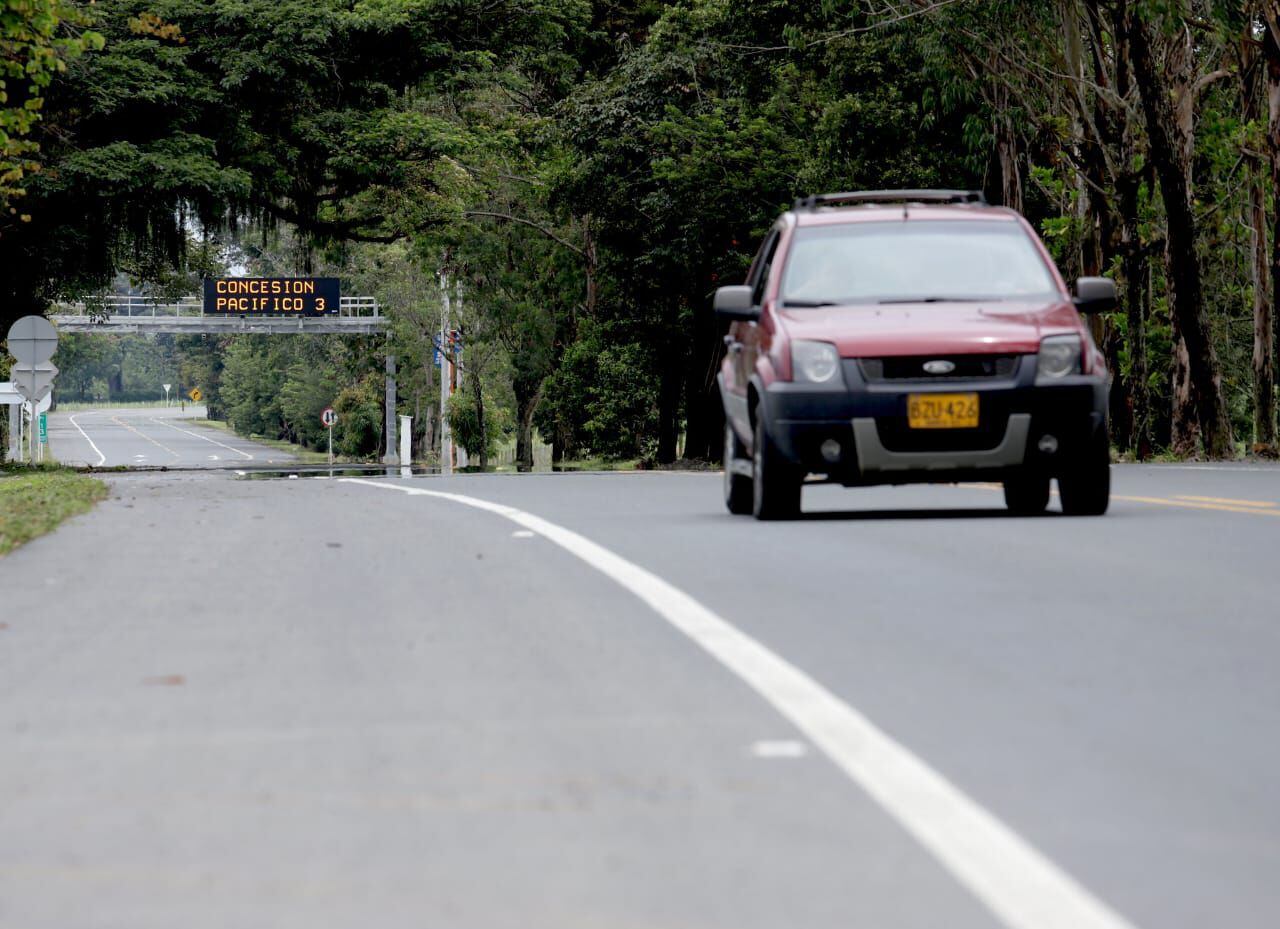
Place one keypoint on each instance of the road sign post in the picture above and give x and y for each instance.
(32, 342)
(329, 418)
(166, 393)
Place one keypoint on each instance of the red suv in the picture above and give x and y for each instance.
(892, 337)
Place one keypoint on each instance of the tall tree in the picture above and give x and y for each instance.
(1264, 352)
(1164, 61)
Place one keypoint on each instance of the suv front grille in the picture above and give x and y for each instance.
(911, 368)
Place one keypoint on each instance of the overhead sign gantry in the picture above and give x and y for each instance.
(263, 305)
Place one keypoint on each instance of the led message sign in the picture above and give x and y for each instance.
(271, 296)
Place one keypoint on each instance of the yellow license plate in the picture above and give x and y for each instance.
(942, 411)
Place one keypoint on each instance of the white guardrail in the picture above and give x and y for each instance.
(128, 305)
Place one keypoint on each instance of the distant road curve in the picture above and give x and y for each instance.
(151, 437)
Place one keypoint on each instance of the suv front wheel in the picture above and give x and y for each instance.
(775, 481)
(1085, 484)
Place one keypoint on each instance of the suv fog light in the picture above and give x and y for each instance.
(831, 451)
(1048, 444)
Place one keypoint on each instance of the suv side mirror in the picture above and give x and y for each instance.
(735, 303)
(1096, 295)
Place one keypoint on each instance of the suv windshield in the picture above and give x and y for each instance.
(914, 261)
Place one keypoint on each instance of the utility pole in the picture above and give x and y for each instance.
(446, 434)
(455, 380)
(391, 457)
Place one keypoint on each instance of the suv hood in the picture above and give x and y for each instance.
(886, 330)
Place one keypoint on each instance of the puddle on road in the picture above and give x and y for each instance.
(327, 473)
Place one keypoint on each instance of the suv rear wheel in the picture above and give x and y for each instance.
(1027, 494)
(776, 482)
(737, 485)
(1085, 484)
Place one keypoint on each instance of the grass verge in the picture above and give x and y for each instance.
(34, 501)
(73, 406)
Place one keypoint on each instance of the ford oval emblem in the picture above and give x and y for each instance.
(941, 366)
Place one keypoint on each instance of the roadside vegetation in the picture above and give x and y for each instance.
(34, 501)
(575, 177)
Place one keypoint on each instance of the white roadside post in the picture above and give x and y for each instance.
(9, 397)
(406, 440)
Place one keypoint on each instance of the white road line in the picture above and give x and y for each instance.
(102, 459)
(1022, 887)
(244, 455)
(778, 748)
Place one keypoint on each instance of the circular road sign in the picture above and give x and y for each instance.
(328, 417)
(32, 340)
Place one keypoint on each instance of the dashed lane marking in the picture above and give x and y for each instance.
(244, 455)
(120, 422)
(779, 748)
(1023, 888)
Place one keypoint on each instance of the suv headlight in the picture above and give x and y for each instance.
(815, 362)
(1059, 356)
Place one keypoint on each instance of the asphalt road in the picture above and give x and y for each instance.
(600, 701)
(170, 437)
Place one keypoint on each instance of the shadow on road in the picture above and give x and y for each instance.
(877, 515)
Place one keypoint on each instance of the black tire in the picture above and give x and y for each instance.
(775, 485)
(737, 487)
(1085, 484)
(1027, 494)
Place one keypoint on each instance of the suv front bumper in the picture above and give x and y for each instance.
(868, 420)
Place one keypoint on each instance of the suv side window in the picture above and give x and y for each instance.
(760, 274)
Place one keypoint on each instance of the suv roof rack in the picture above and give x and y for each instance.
(855, 197)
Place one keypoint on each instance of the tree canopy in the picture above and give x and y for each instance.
(579, 176)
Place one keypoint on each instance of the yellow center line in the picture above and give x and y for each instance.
(1228, 501)
(1162, 501)
(119, 422)
(1220, 504)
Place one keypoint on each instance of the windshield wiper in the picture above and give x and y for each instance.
(932, 300)
(810, 304)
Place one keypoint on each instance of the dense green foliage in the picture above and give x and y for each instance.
(577, 176)
(36, 42)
